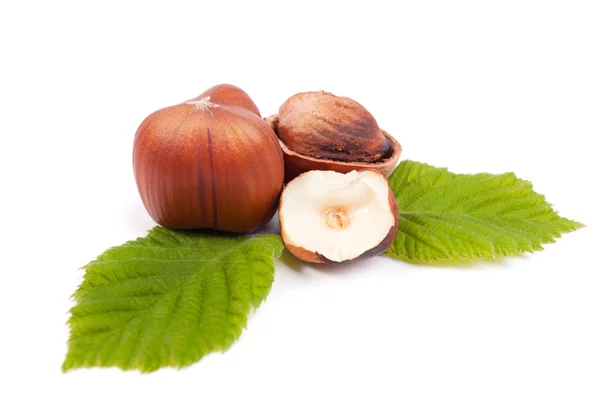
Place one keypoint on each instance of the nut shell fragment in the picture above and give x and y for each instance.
(296, 163)
(330, 127)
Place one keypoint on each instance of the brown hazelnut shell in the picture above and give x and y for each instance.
(296, 163)
(331, 127)
(191, 164)
(229, 95)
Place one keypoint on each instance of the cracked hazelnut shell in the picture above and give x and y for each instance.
(318, 130)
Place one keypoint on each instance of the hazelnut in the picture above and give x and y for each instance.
(319, 130)
(209, 162)
(327, 217)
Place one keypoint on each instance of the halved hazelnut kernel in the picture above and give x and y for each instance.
(329, 217)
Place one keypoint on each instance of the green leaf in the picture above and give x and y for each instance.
(168, 299)
(446, 216)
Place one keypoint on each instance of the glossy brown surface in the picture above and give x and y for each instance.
(230, 95)
(296, 163)
(214, 166)
(325, 126)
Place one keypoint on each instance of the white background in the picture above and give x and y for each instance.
(475, 86)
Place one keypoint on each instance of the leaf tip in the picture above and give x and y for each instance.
(67, 365)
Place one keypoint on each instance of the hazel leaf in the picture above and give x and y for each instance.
(168, 299)
(446, 216)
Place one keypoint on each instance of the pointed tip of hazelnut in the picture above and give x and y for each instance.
(230, 95)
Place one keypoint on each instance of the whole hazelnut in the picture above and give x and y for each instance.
(209, 162)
